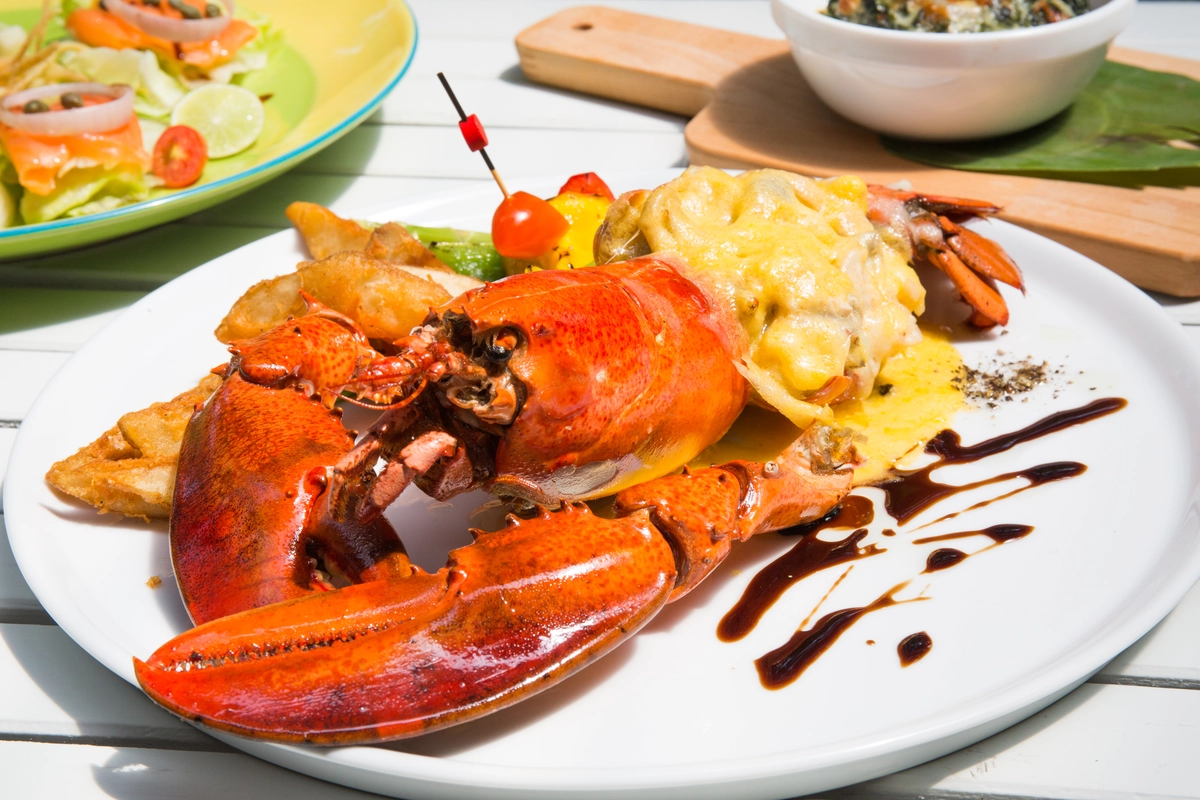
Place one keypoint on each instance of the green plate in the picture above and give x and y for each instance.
(335, 68)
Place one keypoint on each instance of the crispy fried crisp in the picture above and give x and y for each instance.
(392, 242)
(324, 232)
(130, 469)
(386, 300)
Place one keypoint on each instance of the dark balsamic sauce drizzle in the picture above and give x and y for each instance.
(906, 496)
(809, 555)
(944, 558)
(997, 533)
(913, 648)
(915, 491)
(785, 664)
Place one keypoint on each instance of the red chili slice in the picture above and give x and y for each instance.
(179, 156)
(587, 183)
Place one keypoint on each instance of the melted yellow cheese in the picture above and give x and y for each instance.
(819, 293)
(920, 402)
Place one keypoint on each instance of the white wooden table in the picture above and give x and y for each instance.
(70, 728)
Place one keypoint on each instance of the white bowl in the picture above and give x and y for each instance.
(947, 86)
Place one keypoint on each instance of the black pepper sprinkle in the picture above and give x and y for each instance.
(884, 389)
(1002, 381)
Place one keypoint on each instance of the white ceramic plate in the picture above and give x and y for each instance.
(675, 712)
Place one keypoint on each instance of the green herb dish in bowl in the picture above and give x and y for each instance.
(948, 86)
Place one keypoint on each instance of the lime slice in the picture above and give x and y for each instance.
(229, 117)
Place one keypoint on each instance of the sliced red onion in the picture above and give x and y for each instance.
(169, 28)
(71, 121)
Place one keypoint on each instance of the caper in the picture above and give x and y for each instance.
(213, 10)
(72, 100)
(103, 5)
(155, 3)
(36, 107)
(188, 10)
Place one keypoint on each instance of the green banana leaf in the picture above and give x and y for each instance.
(1127, 120)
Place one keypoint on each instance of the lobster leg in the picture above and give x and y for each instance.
(702, 513)
(508, 616)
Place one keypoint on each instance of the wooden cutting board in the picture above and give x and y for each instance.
(750, 107)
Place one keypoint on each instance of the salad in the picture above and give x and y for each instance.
(103, 101)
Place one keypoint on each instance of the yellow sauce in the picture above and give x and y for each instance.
(921, 402)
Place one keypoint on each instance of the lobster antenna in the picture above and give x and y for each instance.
(473, 133)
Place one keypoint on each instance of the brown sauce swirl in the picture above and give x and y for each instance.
(913, 648)
(809, 555)
(785, 664)
(911, 493)
(944, 558)
(915, 491)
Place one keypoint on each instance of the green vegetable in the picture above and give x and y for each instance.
(1127, 120)
(84, 191)
(465, 252)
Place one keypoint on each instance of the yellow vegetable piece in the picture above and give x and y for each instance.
(585, 212)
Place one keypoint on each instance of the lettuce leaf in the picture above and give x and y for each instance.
(254, 55)
(156, 91)
(85, 191)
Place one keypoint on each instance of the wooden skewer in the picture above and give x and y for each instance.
(462, 115)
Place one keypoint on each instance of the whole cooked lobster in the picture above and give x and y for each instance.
(549, 388)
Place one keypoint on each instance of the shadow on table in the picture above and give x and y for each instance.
(141, 774)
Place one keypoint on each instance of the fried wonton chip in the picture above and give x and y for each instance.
(386, 300)
(130, 470)
(324, 232)
(392, 242)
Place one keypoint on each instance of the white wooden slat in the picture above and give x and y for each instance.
(25, 373)
(94, 310)
(54, 689)
(139, 262)
(514, 102)
(1099, 742)
(1184, 309)
(17, 603)
(265, 205)
(83, 772)
(461, 58)
(487, 19)
(436, 151)
(1104, 742)
(8, 435)
(1169, 655)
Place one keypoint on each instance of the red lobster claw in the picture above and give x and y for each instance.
(508, 616)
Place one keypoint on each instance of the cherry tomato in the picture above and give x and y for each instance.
(525, 226)
(179, 156)
(587, 183)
